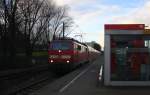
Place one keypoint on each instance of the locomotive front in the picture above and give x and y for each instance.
(60, 52)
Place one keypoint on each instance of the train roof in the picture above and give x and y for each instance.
(69, 39)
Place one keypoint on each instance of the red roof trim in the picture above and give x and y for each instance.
(125, 26)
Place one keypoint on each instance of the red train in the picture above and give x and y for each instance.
(66, 54)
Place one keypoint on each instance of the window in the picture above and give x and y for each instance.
(86, 50)
(59, 45)
(130, 58)
(78, 47)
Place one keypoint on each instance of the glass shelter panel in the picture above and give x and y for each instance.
(130, 58)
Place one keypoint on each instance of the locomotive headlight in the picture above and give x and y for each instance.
(53, 56)
(52, 61)
(68, 61)
(65, 56)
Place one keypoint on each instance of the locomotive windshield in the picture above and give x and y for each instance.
(60, 46)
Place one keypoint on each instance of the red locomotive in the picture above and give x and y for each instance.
(66, 54)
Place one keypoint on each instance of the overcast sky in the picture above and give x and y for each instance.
(91, 15)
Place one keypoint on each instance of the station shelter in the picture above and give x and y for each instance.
(127, 55)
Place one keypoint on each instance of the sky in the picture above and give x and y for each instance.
(91, 15)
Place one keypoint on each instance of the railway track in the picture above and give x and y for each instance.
(15, 81)
(24, 82)
(34, 85)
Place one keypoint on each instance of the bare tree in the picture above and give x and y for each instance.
(30, 22)
(47, 12)
(30, 13)
(37, 15)
(9, 18)
(67, 25)
(61, 21)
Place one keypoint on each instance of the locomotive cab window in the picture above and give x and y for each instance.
(86, 50)
(78, 47)
(60, 46)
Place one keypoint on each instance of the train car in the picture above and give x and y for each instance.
(66, 54)
(93, 53)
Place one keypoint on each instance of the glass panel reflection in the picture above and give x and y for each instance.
(130, 58)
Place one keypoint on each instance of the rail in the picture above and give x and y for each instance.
(14, 80)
